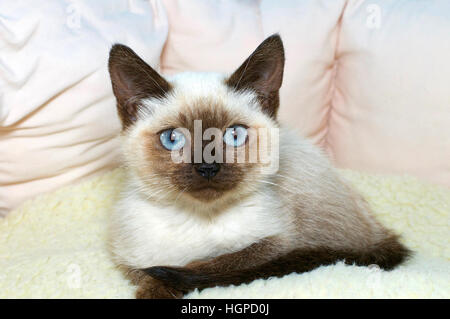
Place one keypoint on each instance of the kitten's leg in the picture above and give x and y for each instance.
(150, 288)
(251, 256)
(386, 255)
(255, 255)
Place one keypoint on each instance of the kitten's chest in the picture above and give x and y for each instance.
(169, 237)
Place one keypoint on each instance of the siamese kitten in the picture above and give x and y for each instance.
(197, 223)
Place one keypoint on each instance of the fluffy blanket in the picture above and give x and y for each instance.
(55, 246)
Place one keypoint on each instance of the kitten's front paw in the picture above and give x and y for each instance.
(157, 290)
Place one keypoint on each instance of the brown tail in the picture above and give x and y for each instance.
(386, 255)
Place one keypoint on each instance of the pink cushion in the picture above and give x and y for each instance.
(58, 121)
(391, 106)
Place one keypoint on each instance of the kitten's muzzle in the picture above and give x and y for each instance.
(206, 170)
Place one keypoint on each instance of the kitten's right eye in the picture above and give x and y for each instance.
(172, 140)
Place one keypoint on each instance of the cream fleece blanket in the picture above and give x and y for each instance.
(55, 247)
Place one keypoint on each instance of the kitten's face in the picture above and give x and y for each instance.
(198, 137)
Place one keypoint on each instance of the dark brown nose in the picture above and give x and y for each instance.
(206, 170)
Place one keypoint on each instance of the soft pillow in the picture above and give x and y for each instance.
(58, 121)
(391, 105)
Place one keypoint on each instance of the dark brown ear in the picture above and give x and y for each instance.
(262, 72)
(133, 80)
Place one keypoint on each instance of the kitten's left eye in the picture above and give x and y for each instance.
(235, 136)
(172, 139)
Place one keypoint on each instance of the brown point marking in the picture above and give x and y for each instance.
(132, 80)
(210, 111)
(150, 288)
(262, 72)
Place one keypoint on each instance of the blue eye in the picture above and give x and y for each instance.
(235, 136)
(172, 139)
